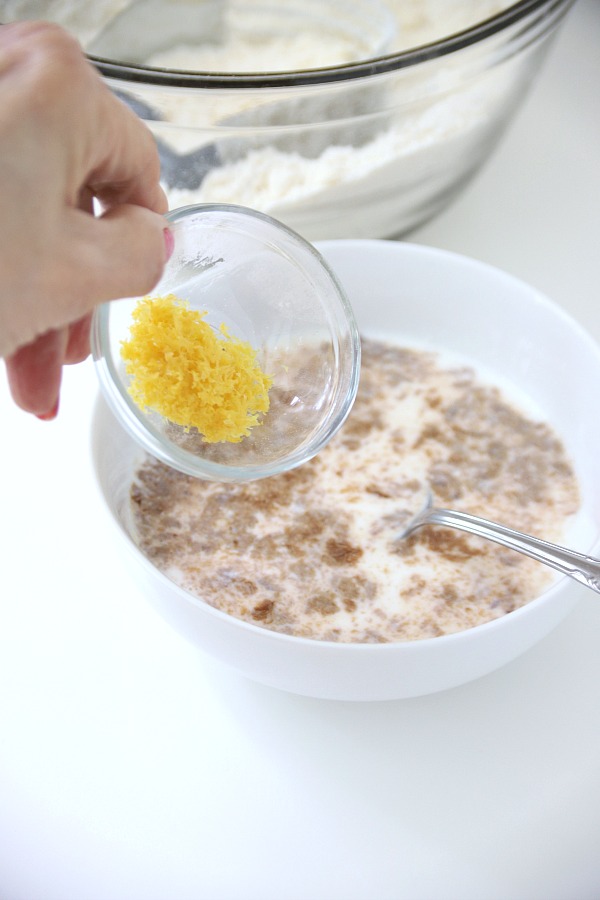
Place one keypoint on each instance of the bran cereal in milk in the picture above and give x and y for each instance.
(311, 552)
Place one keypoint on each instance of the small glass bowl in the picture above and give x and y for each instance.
(271, 288)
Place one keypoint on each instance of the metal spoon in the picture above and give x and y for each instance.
(584, 569)
(178, 170)
(265, 125)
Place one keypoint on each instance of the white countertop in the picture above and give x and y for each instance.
(133, 768)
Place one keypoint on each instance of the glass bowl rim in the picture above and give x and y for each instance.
(488, 27)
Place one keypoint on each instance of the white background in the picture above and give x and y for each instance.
(133, 768)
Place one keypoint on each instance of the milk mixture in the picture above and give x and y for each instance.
(312, 552)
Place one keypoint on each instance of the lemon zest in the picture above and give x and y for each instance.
(191, 374)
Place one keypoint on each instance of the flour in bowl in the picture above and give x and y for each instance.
(365, 158)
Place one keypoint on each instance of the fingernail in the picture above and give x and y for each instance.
(169, 243)
(51, 414)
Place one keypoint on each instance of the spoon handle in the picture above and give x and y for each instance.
(585, 569)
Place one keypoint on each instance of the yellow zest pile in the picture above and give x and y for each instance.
(195, 377)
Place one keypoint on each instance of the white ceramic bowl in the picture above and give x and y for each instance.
(421, 296)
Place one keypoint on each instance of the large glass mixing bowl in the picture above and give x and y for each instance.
(339, 118)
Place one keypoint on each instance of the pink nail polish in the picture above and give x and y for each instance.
(169, 243)
(51, 414)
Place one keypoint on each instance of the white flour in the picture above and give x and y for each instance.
(358, 191)
(361, 173)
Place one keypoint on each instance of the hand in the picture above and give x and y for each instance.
(66, 141)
